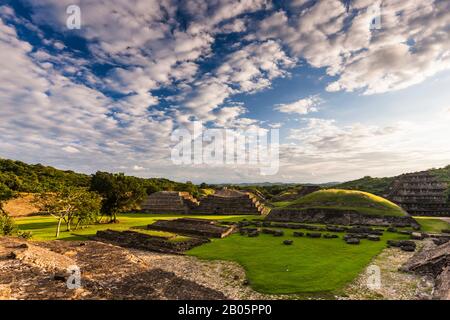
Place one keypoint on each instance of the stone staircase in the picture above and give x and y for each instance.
(243, 203)
(169, 202)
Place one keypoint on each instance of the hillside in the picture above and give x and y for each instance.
(368, 184)
(21, 177)
(339, 199)
(18, 176)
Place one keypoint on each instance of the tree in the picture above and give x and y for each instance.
(70, 205)
(119, 192)
(5, 194)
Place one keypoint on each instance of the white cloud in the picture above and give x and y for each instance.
(302, 106)
(412, 45)
(70, 149)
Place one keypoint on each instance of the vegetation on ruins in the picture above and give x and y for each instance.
(443, 174)
(339, 199)
(119, 192)
(73, 206)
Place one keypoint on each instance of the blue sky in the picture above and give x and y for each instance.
(349, 99)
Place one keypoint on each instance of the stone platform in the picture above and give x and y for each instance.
(138, 240)
(338, 217)
(193, 227)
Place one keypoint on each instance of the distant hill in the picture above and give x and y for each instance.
(22, 177)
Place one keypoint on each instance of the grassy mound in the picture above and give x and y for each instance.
(339, 199)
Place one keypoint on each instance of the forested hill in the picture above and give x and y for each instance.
(379, 185)
(21, 177)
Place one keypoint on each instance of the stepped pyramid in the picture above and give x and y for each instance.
(169, 202)
(230, 202)
(420, 194)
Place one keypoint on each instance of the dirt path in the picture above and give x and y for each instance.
(394, 284)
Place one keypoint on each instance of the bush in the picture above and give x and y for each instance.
(27, 235)
(7, 225)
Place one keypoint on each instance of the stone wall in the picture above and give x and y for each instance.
(434, 262)
(195, 227)
(339, 217)
(138, 240)
(420, 194)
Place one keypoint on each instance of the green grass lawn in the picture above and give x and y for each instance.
(432, 225)
(309, 266)
(44, 227)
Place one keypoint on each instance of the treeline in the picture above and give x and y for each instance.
(17, 176)
(376, 186)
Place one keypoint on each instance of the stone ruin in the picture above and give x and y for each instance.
(433, 262)
(139, 240)
(420, 194)
(225, 201)
(338, 217)
(169, 202)
(231, 202)
(193, 227)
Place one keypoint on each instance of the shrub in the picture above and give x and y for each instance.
(24, 234)
(7, 225)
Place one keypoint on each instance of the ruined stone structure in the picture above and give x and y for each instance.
(193, 227)
(420, 194)
(230, 202)
(434, 262)
(169, 202)
(138, 240)
(338, 217)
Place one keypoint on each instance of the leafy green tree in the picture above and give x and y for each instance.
(119, 192)
(70, 205)
(5, 194)
(7, 226)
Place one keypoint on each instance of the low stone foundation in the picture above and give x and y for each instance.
(137, 240)
(339, 217)
(195, 227)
